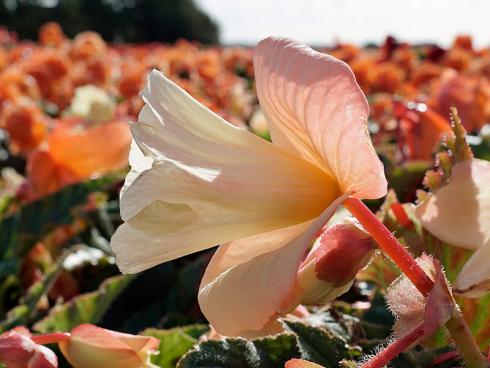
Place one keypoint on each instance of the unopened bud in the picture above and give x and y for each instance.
(337, 256)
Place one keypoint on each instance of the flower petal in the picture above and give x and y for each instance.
(300, 363)
(474, 279)
(210, 183)
(316, 110)
(459, 212)
(95, 347)
(92, 150)
(251, 281)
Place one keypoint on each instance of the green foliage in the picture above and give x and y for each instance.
(320, 345)
(26, 226)
(86, 308)
(174, 343)
(26, 310)
(115, 20)
(269, 352)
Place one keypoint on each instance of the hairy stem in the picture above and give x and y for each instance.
(394, 349)
(390, 245)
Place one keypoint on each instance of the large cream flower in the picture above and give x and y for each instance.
(198, 181)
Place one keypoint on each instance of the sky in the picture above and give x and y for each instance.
(323, 22)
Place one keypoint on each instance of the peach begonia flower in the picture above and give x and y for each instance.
(459, 213)
(197, 181)
(17, 350)
(96, 347)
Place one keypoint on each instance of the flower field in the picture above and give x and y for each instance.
(120, 175)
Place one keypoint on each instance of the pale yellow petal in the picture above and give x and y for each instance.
(251, 281)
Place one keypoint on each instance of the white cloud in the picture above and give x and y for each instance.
(359, 21)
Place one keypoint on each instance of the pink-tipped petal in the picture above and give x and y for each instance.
(316, 110)
(251, 281)
(459, 212)
(95, 347)
(300, 363)
(474, 279)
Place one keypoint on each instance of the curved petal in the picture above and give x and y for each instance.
(209, 183)
(316, 110)
(300, 363)
(138, 162)
(92, 346)
(251, 281)
(459, 212)
(474, 279)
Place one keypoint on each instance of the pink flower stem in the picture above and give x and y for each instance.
(51, 338)
(394, 349)
(445, 357)
(390, 245)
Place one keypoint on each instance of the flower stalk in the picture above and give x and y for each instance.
(394, 349)
(390, 245)
(51, 338)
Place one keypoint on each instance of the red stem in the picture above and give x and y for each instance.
(394, 349)
(51, 338)
(445, 357)
(390, 245)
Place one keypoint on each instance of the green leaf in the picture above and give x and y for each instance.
(86, 308)
(320, 345)
(22, 229)
(26, 310)
(269, 352)
(174, 343)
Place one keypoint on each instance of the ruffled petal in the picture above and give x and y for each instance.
(251, 281)
(474, 279)
(209, 183)
(316, 110)
(459, 212)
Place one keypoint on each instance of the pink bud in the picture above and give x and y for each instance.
(95, 347)
(331, 266)
(17, 350)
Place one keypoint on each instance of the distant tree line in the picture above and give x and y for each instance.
(115, 20)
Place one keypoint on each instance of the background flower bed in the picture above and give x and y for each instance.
(62, 166)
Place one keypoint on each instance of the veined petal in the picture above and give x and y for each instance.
(459, 212)
(474, 279)
(316, 110)
(251, 281)
(209, 183)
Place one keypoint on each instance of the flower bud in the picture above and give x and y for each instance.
(331, 266)
(95, 347)
(17, 350)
